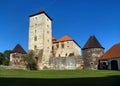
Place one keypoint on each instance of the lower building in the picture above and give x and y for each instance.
(111, 59)
(65, 47)
(15, 56)
(91, 52)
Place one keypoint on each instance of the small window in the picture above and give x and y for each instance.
(35, 47)
(48, 26)
(91, 63)
(62, 45)
(35, 24)
(47, 47)
(57, 46)
(35, 17)
(47, 19)
(47, 32)
(48, 40)
(35, 38)
(66, 54)
(52, 47)
(59, 55)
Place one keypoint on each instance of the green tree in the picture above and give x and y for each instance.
(30, 61)
(6, 58)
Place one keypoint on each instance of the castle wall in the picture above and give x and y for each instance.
(70, 62)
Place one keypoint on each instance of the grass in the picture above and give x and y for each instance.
(59, 77)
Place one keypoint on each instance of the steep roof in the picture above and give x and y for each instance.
(92, 43)
(40, 12)
(113, 52)
(65, 38)
(19, 49)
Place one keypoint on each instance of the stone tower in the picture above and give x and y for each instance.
(92, 51)
(40, 37)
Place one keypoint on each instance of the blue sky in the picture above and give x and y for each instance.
(77, 18)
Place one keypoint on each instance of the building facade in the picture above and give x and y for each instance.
(65, 47)
(111, 59)
(41, 41)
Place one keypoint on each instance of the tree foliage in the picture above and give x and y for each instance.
(30, 61)
(5, 57)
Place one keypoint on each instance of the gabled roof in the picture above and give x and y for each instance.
(92, 43)
(113, 52)
(19, 49)
(65, 38)
(41, 11)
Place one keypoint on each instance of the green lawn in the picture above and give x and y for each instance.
(59, 77)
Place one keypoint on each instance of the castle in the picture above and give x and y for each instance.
(63, 53)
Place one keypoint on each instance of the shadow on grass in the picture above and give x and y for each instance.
(98, 81)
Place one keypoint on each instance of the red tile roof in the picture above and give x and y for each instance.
(92, 43)
(113, 52)
(19, 49)
(54, 39)
(65, 38)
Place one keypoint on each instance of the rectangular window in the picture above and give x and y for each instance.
(35, 38)
(62, 45)
(57, 45)
(52, 47)
(35, 47)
